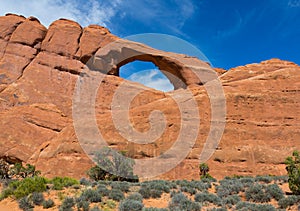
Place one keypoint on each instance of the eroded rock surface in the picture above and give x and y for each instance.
(39, 69)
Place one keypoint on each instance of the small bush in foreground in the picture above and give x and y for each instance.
(37, 198)
(293, 169)
(275, 191)
(288, 201)
(154, 209)
(130, 205)
(25, 204)
(60, 182)
(22, 188)
(208, 197)
(257, 193)
(135, 196)
(247, 206)
(90, 195)
(180, 202)
(116, 195)
(48, 204)
(67, 204)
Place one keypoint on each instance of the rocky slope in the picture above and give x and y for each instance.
(39, 68)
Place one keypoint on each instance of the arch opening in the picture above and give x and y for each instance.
(146, 73)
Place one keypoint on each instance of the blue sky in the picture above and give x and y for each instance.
(229, 33)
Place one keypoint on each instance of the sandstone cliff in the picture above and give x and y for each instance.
(39, 68)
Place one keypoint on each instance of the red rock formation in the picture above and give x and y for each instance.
(38, 72)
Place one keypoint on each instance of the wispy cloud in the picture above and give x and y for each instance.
(294, 3)
(234, 28)
(47, 11)
(152, 78)
(170, 14)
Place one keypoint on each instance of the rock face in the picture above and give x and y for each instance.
(39, 69)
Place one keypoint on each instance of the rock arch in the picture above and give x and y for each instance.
(178, 68)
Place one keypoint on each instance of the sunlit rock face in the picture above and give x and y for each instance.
(39, 68)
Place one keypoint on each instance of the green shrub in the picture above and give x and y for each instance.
(217, 209)
(18, 170)
(48, 204)
(95, 209)
(180, 202)
(25, 204)
(231, 200)
(257, 193)
(208, 197)
(83, 205)
(265, 179)
(116, 195)
(37, 198)
(67, 204)
(154, 209)
(293, 169)
(90, 195)
(288, 201)
(102, 189)
(85, 182)
(112, 166)
(21, 188)
(130, 205)
(275, 191)
(136, 197)
(123, 186)
(60, 182)
(229, 187)
(247, 206)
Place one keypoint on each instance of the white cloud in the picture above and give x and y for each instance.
(47, 11)
(152, 78)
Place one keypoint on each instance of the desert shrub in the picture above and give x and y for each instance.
(265, 179)
(109, 204)
(90, 195)
(293, 170)
(85, 182)
(112, 166)
(25, 203)
(281, 179)
(21, 188)
(180, 202)
(116, 195)
(189, 190)
(288, 201)
(232, 199)
(83, 205)
(217, 209)
(247, 181)
(154, 189)
(204, 169)
(67, 204)
(257, 193)
(48, 204)
(123, 186)
(274, 191)
(130, 205)
(154, 209)
(136, 197)
(229, 187)
(37, 198)
(60, 182)
(147, 192)
(208, 197)
(18, 170)
(102, 189)
(95, 208)
(247, 206)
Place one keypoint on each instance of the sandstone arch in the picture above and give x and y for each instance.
(178, 68)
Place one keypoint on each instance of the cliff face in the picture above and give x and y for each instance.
(39, 69)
